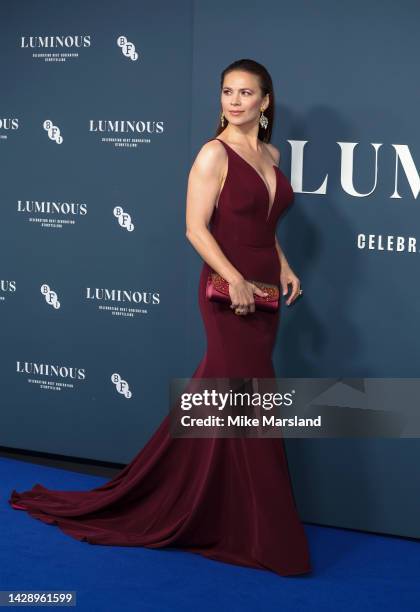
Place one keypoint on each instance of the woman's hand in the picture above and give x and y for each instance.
(288, 277)
(242, 296)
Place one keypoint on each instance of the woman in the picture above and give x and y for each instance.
(229, 499)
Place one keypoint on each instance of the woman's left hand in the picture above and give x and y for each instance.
(287, 277)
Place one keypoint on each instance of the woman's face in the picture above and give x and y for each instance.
(241, 92)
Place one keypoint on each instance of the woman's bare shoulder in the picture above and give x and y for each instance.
(210, 157)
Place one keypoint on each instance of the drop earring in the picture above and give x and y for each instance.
(263, 120)
(222, 119)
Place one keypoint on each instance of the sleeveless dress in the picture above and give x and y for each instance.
(228, 499)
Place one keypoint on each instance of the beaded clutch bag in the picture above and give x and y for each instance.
(217, 290)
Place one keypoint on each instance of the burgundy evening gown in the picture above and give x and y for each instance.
(229, 499)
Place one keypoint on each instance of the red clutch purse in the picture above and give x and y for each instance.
(217, 290)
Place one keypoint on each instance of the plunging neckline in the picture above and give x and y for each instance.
(270, 206)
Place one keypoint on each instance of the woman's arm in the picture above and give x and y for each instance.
(287, 276)
(281, 255)
(204, 185)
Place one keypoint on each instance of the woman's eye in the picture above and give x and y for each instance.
(248, 93)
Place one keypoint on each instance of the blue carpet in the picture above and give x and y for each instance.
(352, 570)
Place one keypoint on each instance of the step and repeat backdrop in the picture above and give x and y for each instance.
(95, 127)
(103, 108)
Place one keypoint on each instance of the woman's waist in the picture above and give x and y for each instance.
(241, 245)
(241, 238)
(254, 262)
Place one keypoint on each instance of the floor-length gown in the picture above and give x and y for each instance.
(229, 499)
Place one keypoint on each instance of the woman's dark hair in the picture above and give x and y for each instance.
(266, 85)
